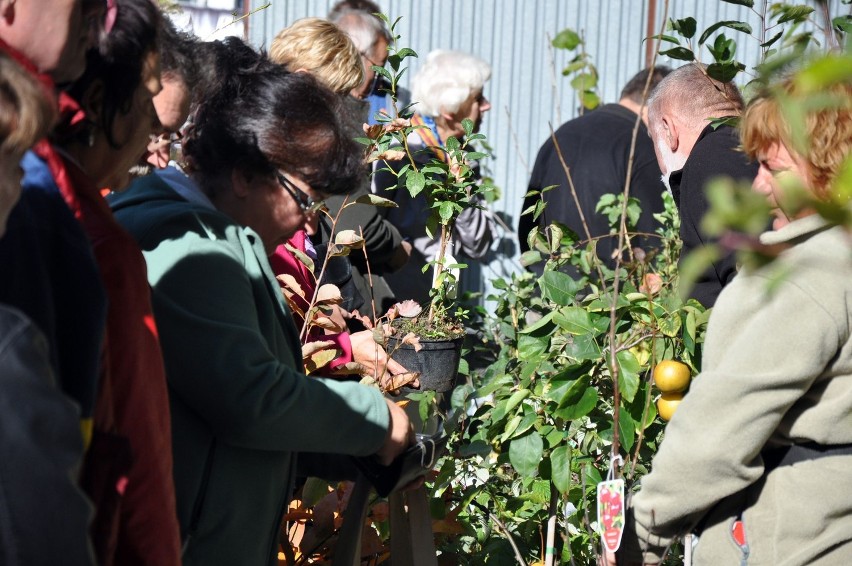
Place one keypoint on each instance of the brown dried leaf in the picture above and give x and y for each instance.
(326, 323)
(412, 340)
(290, 284)
(312, 348)
(408, 309)
(364, 319)
(373, 131)
(338, 251)
(380, 334)
(349, 238)
(350, 368)
(397, 124)
(320, 359)
(392, 155)
(329, 294)
(375, 200)
(304, 258)
(395, 382)
(651, 284)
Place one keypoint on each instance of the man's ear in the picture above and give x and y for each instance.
(670, 131)
(241, 183)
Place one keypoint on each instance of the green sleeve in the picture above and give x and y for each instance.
(713, 443)
(228, 360)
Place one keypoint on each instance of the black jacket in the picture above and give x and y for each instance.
(715, 154)
(596, 148)
(44, 517)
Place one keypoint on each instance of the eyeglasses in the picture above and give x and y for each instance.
(369, 59)
(306, 203)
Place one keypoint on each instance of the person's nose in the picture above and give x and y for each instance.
(762, 183)
(311, 222)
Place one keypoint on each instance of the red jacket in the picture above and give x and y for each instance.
(283, 261)
(136, 520)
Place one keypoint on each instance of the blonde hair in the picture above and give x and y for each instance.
(322, 49)
(27, 111)
(828, 129)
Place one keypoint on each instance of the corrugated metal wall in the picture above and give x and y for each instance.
(527, 90)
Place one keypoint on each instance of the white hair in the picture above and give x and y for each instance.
(692, 95)
(446, 80)
(363, 28)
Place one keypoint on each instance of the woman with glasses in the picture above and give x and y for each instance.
(318, 47)
(265, 147)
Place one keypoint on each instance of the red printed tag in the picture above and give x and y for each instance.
(611, 513)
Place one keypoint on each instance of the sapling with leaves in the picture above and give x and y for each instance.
(430, 156)
(316, 306)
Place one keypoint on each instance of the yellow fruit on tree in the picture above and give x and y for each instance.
(671, 376)
(667, 405)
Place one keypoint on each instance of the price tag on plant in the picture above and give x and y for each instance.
(611, 513)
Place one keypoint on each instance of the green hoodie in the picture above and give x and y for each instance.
(241, 405)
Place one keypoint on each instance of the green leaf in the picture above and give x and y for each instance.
(567, 39)
(415, 181)
(671, 325)
(530, 258)
(525, 453)
(584, 81)
(686, 27)
(626, 429)
(560, 468)
(313, 490)
(583, 406)
(516, 399)
(499, 382)
(406, 52)
(662, 37)
(724, 72)
(530, 348)
(446, 211)
(590, 100)
(733, 24)
(575, 320)
(796, 14)
(628, 374)
(773, 39)
(583, 347)
(568, 392)
(679, 53)
(558, 287)
(375, 200)
(539, 324)
(748, 3)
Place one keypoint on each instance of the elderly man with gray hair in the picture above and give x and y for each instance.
(691, 151)
(371, 38)
(447, 90)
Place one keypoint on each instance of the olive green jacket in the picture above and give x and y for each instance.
(241, 406)
(777, 371)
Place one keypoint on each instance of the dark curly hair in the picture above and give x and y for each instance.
(118, 60)
(256, 117)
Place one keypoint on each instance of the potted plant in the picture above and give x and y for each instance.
(449, 186)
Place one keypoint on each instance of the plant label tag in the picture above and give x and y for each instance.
(611, 513)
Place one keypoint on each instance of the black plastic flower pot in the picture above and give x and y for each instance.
(437, 361)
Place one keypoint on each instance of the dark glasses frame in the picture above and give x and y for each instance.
(305, 202)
